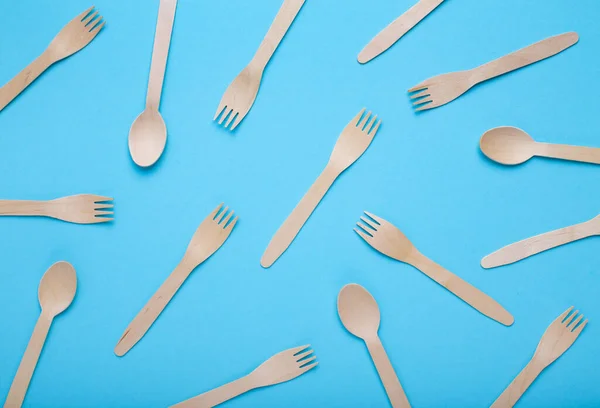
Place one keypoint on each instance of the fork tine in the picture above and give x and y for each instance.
(85, 13)
(563, 316)
(427, 99)
(97, 28)
(101, 206)
(231, 225)
(233, 115)
(419, 87)
(579, 328)
(364, 120)
(425, 107)
(361, 231)
(222, 215)
(571, 318)
(297, 350)
(220, 109)
(374, 217)
(368, 222)
(374, 130)
(356, 119)
(308, 367)
(576, 322)
(214, 212)
(99, 220)
(226, 113)
(306, 361)
(99, 199)
(239, 118)
(370, 124)
(420, 94)
(90, 17)
(303, 354)
(224, 223)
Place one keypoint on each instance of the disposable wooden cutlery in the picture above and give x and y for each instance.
(72, 38)
(534, 245)
(510, 145)
(241, 93)
(390, 241)
(56, 292)
(209, 237)
(397, 28)
(441, 89)
(78, 209)
(557, 339)
(360, 315)
(352, 143)
(148, 133)
(282, 367)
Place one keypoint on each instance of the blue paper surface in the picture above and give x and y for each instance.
(67, 134)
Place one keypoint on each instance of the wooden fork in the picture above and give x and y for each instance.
(559, 336)
(352, 143)
(209, 237)
(241, 93)
(282, 367)
(390, 241)
(441, 89)
(78, 209)
(72, 38)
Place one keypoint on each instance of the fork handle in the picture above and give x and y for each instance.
(464, 290)
(22, 208)
(539, 243)
(282, 22)
(567, 152)
(518, 386)
(160, 52)
(24, 78)
(386, 372)
(294, 222)
(146, 317)
(218, 395)
(525, 56)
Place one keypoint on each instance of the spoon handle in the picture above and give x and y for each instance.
(294, 222)
(525, 56)
(539, 243)
(146, 317)
(20, 383)
(396, 29)
(518, 386)
(22, 207)
(23, 79)
(218, 395)
(386, 372)
(162, 40)
(567, 152)
(475, 298)
(282, 22)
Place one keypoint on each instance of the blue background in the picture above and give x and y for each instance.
(67, 134)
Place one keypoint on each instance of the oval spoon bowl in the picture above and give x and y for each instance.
(147, 138)
(507, 145)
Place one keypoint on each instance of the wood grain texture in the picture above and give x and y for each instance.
(558, 338)
(359, 313)
(78, 33)
(539, 243)
(241, 93)
(282, 367)
(352, 143)
(389, 240)
(441, 89)
(56, 292)
(208, 238)
(78, 209)
(396, 29)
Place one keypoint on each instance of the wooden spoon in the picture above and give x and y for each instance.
(56, 292)
(148, 134)
(510, 145)
(359, 314)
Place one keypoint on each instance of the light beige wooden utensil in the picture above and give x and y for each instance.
(510, 145)
(352, 143)
(397, 28)
(557, 339)
(359, 314)
(78, 209)
(72, 38)
(148, 133)
(390, 241)
(56, 292)
(441, 89)
(282, 367)
(209, 237)
(540, 243)
(241, 93)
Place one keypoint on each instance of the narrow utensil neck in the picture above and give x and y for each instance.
(23, 207)
(160, 52)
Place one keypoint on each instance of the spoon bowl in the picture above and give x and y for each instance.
(358, 311)
(507, 145)
(147, 138)
(57, 288)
